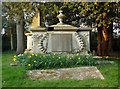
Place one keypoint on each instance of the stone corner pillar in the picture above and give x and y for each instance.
(29, 42)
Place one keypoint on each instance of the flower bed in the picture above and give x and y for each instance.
(42, 61)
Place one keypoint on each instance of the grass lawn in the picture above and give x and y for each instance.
(14, 76)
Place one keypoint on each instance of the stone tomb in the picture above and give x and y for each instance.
(58, 38)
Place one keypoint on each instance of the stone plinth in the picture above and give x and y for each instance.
(29, 42)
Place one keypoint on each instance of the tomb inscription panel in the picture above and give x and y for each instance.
(61, 42)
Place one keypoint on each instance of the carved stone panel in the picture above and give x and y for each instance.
(61, 42)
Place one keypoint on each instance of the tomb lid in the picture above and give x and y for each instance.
(61, 26)
(64, 27)
(38, 29)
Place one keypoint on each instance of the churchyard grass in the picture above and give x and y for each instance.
(14, 76)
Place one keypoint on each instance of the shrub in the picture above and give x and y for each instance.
(41, 61)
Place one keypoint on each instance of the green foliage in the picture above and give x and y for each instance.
(36, 61)
(103, 12)
(4, 23)
(95, 10)
(16, 10)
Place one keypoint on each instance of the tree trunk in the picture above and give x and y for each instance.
(99, 39)
(104, 37)
(11, 38)
(20, 37)
(105, 41)
(110, 44)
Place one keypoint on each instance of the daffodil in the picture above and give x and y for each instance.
(59, 57)
(77, 54)
(20, 54)
(43, 55)
(70, 58)
(34, 61)
(32, 54)
(52, 56)
(40, 56)
(29, 56)
(14, 56)
(14, 59)
(36, 55)
(107, 57)
(54, 53)
(79, 58)
(29, 64)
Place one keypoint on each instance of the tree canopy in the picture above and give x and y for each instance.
(102, 12)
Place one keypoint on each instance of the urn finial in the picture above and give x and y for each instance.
(60, 16)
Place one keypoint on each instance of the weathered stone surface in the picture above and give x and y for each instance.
(36, 20)
(97, 57)
(105, 62)
(16, 63)
(78, 73)
(28, 51)
(29, 42)
(85, 35)
(61, 42)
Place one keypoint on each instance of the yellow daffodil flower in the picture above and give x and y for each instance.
(20, 54)
(32, 54)
(52, 56)
(40, 56)
(59, 57)
(14, 56)
(79, 58)
(54, 53)
(43, 55)
(14, 59)
(34, 61)
(70, 58)
(29, 56)
(36, 55)
(29, 64)
(77, 54)
(107, 57)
